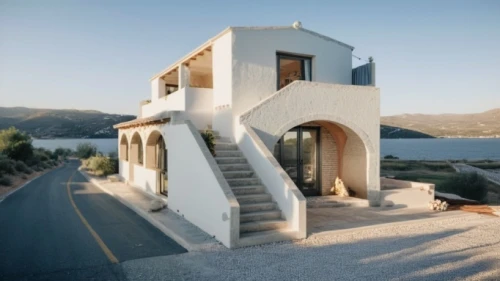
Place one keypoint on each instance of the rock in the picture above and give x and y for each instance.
(339, 188)
(438, 205)
(157, 205)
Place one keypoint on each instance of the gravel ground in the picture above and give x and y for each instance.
(459, 248)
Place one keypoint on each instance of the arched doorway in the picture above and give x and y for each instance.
(315, 153)
(123, 148)
(156, 159)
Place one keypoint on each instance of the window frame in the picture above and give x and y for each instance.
(302, 58)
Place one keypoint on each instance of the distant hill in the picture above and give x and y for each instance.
(61, 123)
(389, 132)
(485, 124)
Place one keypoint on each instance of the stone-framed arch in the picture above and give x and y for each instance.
(354, 148)
(124, 148)
(136, 149)
(359, 152)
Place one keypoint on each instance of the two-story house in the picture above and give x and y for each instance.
(290, 115)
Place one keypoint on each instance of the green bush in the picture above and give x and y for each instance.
(44, 165)
(390, 156)
(15, 144)
(439, 166)
(5, 181)
(7, 165)
(209, 139)
(467, 185)
(63, 153)
(102, 166)
(85, 150)
(22, 167)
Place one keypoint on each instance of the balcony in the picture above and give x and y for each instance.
(196, 103)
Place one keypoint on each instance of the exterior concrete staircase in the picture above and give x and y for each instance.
(258, 213)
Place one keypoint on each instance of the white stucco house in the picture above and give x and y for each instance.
(290, 115)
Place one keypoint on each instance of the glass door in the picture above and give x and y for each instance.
(297, 152)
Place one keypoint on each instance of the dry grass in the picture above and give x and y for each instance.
(20, 179)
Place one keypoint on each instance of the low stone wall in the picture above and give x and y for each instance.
(405, 193)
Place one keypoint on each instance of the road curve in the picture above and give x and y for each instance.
(42, 237)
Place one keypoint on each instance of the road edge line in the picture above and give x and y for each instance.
(165, 230)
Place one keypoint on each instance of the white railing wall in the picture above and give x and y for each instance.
(197, 189)
(283, 190)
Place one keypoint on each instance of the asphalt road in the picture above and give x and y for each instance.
(46, 233)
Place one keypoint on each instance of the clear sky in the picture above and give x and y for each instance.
(432, 56)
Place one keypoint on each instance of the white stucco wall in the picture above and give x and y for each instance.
(254, 72)
(158, 89)
(199, 107)
(197, 189)
(406, 193)
(222, 80)
(144, 179)
(245, 67)
(354, 107)
(123, 169)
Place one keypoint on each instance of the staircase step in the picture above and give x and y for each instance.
(219, 139)
(249, 189)
(228, 153)
(230, 160)
(225, 146)
(253, 198)
(257, 207)
(243, 181)
(237, 174)
(259, 216)
(234, 167)
(262, 225)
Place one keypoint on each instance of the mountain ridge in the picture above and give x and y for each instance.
(449, 125)
(61, 123)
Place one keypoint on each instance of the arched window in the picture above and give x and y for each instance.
(156, 152)
(124, 148)
(136, 149)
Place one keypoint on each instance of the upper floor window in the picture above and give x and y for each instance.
(291, 68)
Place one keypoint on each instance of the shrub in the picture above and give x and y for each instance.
(85, 150)
(209, 139)
(63, 153)
(15, 144)
(102, 165)
(467, 185)
(113, 155)
(44, 165)
(7, 165)
(5, 181)
(390, 157)
(22, 167)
